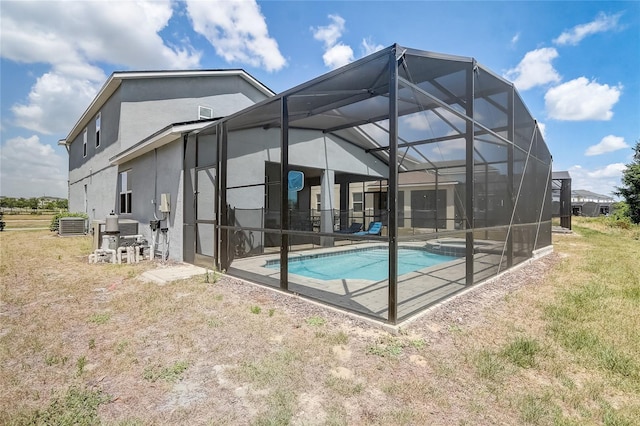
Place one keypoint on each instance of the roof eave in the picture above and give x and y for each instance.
(155, 141)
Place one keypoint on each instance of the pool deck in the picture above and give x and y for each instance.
(416, 290)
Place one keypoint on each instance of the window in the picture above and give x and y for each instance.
(205, 113)
(98, 130)
(357, 202)
(84, 143)
(125, 192)
(318, 202)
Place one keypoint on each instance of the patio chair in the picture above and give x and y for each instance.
(355, 227)
(375, 228)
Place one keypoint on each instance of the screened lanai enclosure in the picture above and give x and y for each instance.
(382, 187)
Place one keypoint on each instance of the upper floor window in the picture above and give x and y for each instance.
(98, 130)
(125, 192)
(205, 113)
(318, 202)
(84, 143)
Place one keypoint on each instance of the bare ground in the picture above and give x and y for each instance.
(230, 352)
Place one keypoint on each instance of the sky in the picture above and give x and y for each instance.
(575, 64)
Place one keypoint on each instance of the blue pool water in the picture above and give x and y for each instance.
(369, 264)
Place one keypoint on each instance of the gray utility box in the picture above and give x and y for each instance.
(126, 226)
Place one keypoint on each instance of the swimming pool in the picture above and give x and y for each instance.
(366, 264)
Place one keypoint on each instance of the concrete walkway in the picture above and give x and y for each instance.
(167, 274)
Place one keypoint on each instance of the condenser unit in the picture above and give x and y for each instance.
(68, 226)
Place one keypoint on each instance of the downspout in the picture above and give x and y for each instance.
(66, 146)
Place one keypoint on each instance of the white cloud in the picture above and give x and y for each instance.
(609, 171)
(238, 32)
(417, 121)
(535, 69)
(581, 99)
(602, 23)
(609, 143)
(515, 38)
(369, 47)
(60, 33)
(330, 34)
(31, 169)
(337, 53)
(337, 56)
(73, 38)
(54, 103)
(603, 180)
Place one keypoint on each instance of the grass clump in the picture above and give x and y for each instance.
(522, 352)
(488, 365)
(316, 321)
(339, 338)
(616, 362)
(102, 318)
(78, 406)
(121, 346)
(538, 410)
(212, 277)
(344, 387)
(281, 405)
(172, 373)
(81, 363)
(277, 368)
(386, 348)
(55, 359)
(214, 322)
(256, 310)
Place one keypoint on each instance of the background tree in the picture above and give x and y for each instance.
(630, 189)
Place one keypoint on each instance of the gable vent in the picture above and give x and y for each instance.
(205, 113)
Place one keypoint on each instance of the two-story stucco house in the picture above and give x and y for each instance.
(129, 147)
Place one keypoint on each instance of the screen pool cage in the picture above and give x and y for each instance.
(431, 154)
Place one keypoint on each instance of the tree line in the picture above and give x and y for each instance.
(34, 203)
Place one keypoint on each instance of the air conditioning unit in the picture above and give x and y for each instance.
(68, 226)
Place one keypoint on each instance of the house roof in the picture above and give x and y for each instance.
(115, 80)
(560, 175)
(158, 139)
(583, 193)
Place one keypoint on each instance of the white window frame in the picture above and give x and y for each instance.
(318, 202)
(125, 199)
(359, 202)
(98, 125)
(84, 143)
(205, 113)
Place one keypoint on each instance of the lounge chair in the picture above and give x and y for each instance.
(375, 228)
(355, 227)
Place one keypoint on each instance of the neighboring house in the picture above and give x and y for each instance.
(44, 200)
(587, 203)
(127, 148)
